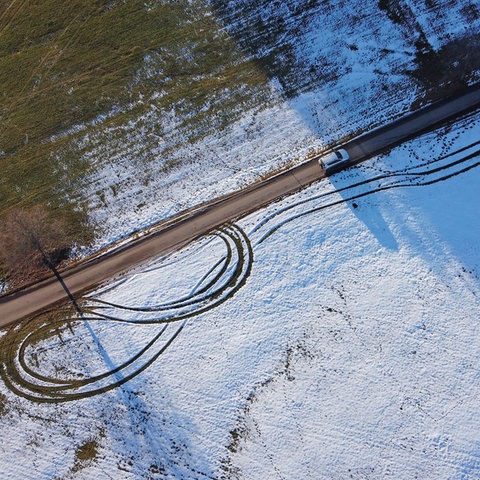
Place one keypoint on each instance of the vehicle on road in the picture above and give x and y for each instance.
(332, 162)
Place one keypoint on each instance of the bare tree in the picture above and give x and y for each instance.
(32, 242)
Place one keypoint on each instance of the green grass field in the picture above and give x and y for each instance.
(62, 64)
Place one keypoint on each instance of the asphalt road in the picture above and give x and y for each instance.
(186, 227)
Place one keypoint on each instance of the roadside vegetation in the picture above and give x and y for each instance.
(33, 243)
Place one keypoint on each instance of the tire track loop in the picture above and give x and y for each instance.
(216, 286)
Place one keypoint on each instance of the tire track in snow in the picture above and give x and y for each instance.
(431, 172)
(22, 372)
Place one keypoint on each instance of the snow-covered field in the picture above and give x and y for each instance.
(334, 69)
(333, 334)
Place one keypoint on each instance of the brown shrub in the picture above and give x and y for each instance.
(32, 241)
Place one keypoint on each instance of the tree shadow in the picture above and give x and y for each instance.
(446, 228)
(370, 215)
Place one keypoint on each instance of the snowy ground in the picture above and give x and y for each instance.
(330, 335)
(333, 334)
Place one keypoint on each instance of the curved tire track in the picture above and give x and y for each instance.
(215, 287)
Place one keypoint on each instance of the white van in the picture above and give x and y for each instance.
(334, 161)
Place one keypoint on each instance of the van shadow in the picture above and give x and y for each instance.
(364, 205)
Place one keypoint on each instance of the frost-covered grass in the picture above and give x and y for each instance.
(332, 334)
(335, 69)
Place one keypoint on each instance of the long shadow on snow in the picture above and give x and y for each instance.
(372, 216)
